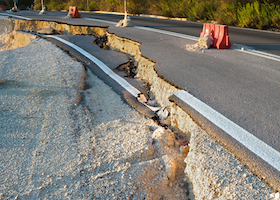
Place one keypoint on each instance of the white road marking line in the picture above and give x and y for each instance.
(261, 54)
(252, 52)
(168, 33)
(132, 90)
(16, 16)
(100, 20)
(254, 144)
(151, 29)
(257, 30)
(127, 86)
(264, 53)
(189, 37)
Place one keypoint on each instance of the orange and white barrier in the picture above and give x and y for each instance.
(73, 12)
(219, 34)
(2, 7)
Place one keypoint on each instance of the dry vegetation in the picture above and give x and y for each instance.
(261, 14)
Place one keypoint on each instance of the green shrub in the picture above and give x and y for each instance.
(203, 11)
(274, 16)
(137, 6)
(81, 6)
(59, 7)
(256, 15)
(53, 5)
(113, 5)
(275, 21)
(37, 7)
(92, 6)
(172, 8)
(227, 14)
(260, 14)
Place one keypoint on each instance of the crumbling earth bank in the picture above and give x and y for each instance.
(11, 36)
(15, 39)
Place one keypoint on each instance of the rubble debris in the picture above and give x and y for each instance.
(203, 43)
(141, 98)
(68, 16)
(126, 22)
(130, 68)
(43, 11)
(152, 102)
(102, 42)
(48, 31)
(170, 167)
(275, 196)
(163, 117)
(14, 9)
(163, 113)
(15, 39)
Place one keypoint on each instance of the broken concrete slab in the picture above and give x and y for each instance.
(48, 31)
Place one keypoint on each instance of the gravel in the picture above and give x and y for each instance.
(217, 174)
(64, 134)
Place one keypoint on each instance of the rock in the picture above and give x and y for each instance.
(69, 16)
(277, 196)
(152, 102)
(126, 22)
(203, 43)
(129, 68)
(163, 113)
(141, 98)
(43, 11)
(14, 9)
(47, 31)
(170, 167)
(184, 150)
(165, 122)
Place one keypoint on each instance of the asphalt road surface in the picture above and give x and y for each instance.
(267, 41)
(244, 88)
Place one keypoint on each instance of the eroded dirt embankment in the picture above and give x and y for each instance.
(11, 35)
(159, 86)
(223, 181)
(33, 25)
(212, 172)
(11, 39)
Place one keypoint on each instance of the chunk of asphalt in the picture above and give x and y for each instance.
(47, 31)
(141, 108)
(103, 55)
